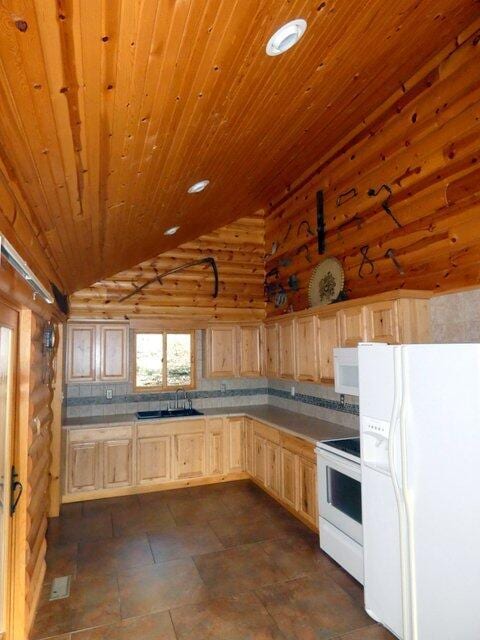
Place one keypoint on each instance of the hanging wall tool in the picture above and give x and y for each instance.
(391, 254)
(320, 223)
(346, 196)
(308, 228)
(305, 248)
(366, 262)
(159, 277)
(385, 203)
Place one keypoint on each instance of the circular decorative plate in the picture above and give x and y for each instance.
(326, 282)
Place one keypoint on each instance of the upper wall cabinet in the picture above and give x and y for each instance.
(306, 352)
(221, 352)
(271, 350)
(233, 350)
(327, 332)
(97, 352)
(81, 352)
(250, 350)
(351, 326)
(381, 322)
(286, 340)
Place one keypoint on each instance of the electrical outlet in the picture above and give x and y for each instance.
(223, 388)
(292, 391)
(342, 399)
(109, 394)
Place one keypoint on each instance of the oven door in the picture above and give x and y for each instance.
(339, 491)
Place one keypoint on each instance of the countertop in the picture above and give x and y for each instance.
(311, 429)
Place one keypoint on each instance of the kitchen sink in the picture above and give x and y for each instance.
(175, 413)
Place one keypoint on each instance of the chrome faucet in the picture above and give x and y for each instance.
(185, 397)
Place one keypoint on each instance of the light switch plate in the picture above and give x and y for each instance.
(109, 394)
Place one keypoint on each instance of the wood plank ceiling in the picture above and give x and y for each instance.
(110, 109)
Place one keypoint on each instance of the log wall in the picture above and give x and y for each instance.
(423, 143)
(238, 250)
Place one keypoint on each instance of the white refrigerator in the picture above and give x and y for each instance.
(420, 447)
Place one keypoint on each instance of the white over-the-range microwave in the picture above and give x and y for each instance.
(345, 362)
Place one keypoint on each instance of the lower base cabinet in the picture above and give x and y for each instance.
(105, 460)
(154, 464)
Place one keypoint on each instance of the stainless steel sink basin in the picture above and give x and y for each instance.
(175, 413)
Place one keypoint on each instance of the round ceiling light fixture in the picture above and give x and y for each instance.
(286, 37)
(198, 186)
(171, 232)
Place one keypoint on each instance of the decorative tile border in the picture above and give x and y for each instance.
(217, 393)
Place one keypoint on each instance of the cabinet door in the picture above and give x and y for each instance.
(259, 458)
(306, 351)
(249, 341)
(287, 350)
(235, 444)
(216, 452)
(307, 489)
(271, 350)
(153, 460)
(113, 365)
(272, 467)
(83, 466)
(248, 446)
(381, 320)
(327, 341)
(221, 358)
(189, 455)
(117, 463)
(81, 352)
(289, 478)
(351, 326)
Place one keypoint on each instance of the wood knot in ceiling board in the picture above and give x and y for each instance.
(21, 25)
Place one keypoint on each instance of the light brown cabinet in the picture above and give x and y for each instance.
(221, 352)
(289, 478)
(381, 321)
(327, 339)
(306, 350)
(189, 455)
(249, 338)
(216, 449)
(286, 340)
(272, 467)
(83, 467)
(97, 352)
(351, 326)
(81, 353)
(271, 350)
(113, 341)
(259, 458)
(117, 463)
(232, 351)
(307, 500)
(235, 444)
(248, 446)
(154, 460)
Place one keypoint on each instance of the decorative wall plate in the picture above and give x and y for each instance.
(326, 282)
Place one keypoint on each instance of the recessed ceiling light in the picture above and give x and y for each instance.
(286, 37)
(198, 186)
(171, 232)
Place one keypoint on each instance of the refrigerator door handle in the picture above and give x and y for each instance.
(397, 487)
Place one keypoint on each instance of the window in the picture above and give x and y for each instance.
(164, 360)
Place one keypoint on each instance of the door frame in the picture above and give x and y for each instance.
(10, 318)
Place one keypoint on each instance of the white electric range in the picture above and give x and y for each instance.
(340, 502)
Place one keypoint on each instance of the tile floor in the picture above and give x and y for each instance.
(221, 562)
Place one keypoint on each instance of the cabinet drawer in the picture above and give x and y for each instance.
(298, 446)
(99, 434)
(269, 433)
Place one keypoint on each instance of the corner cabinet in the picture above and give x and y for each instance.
(96, 352)
(233, 351)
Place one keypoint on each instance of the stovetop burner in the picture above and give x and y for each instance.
(348, 445)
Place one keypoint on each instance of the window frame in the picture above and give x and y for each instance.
(165, 387)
